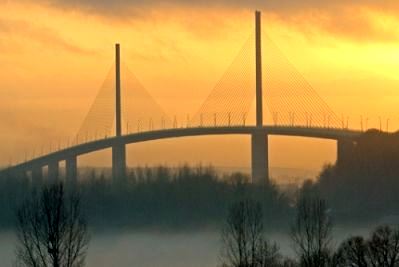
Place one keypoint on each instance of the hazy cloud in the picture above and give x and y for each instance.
(40, 34)
(347, 23)
(343, 18)
(272, 5)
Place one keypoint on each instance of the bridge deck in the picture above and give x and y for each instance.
(92, 146)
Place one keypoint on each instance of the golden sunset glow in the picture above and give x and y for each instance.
(54, 60)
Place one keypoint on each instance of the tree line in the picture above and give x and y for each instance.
(157, 197)
(244, 243)
(364, 186)
(52, 230)
(360, 189)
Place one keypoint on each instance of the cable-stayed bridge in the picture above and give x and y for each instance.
(124, 113)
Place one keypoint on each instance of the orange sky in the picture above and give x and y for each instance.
(55, 55)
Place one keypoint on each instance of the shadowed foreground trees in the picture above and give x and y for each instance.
(352, 252)
(312, 237)
(244, 244)
(51, 230)
(380, 250)
(311, 232)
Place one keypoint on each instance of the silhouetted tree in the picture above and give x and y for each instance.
(268, 255)
(380, 250)
(383, 247)
(51, 230)
(243, 239)
(352, 252)
(311, 232)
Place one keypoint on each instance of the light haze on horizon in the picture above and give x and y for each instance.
(55, 55)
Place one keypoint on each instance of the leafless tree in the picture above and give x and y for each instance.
(243, 239)
(268, 255)
(383, 247)
(51, 230)
(380, 250)
(352, 252)
(311, 232)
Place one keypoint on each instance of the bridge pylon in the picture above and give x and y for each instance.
(259, 141)
(119, 148)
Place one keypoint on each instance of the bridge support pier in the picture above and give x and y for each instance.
(119, 163)
(344, 150)
(259, 158)
(37, 175)
(53, 171)
(71, 170)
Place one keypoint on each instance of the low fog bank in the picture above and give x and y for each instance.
(162, 248)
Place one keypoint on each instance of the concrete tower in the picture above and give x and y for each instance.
(119, 149)
(259, 141)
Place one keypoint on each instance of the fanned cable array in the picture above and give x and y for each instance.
(229, 102)
(291, 100)
(140, 111)
(99, 120)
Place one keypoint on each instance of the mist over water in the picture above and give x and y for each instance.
(162, 249)
(155, 249)
(146, 249)
(7, 247)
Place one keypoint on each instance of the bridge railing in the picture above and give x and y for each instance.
(221, 119)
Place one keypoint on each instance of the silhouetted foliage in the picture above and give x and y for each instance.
(269, 255)
(352, 252)
(380, 250)
(51, 230)
(364, 185)
(158, 197)
(13, 191)
(311, 232)
(244, 244)
(383, 247)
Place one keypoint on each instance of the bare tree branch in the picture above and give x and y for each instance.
(51, 230)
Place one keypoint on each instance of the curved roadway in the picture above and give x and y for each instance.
(74, 151)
